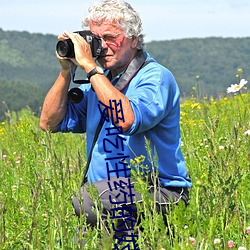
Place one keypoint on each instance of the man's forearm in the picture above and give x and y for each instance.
(55, 103)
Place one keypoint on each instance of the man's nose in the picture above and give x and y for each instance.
(104, 44)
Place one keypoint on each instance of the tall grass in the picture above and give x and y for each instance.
(40, 172)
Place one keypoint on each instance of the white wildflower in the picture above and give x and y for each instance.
(242, 248)
(217, 241)
(236, 87)
(247, 133)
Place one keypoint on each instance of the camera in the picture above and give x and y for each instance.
(65, 48)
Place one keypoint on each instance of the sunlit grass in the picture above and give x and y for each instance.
(40, 172)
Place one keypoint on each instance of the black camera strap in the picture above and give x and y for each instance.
(136, 64)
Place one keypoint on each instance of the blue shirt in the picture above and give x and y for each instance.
(154, 97)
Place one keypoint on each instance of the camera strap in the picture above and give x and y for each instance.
(136, 64)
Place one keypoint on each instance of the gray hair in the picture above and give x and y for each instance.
(120, 13)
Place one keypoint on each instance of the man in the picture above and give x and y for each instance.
(140, 99)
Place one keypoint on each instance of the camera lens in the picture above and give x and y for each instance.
(65, 48)
(75, 95)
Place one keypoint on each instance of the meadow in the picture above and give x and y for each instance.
(40, 172)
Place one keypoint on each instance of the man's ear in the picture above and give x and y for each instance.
(134, 42)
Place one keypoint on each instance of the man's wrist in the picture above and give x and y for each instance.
(96, 70)
(65, 73)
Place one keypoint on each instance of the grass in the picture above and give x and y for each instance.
(40, 172)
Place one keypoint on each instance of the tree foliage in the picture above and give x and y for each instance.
(212, 63)
(16, 95)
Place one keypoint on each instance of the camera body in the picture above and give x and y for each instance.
(65, 48)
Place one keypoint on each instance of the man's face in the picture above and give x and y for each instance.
(118, 50)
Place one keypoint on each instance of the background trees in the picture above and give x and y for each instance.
(202, 67)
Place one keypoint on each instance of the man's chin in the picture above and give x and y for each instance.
(105, 63)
